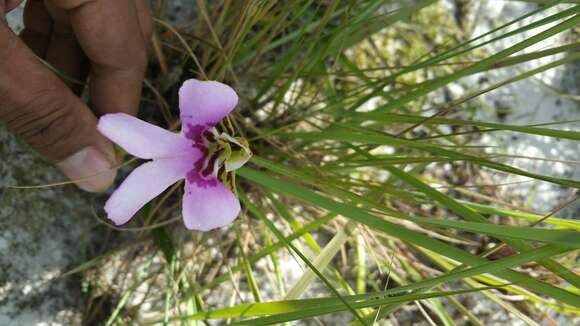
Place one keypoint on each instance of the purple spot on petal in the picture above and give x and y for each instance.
(199, 164)
(201, 174)
(194, 176)
(194, 132)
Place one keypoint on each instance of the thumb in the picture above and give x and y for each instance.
(40, 109)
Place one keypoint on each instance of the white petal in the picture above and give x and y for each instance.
(141, 138)
(204, 103)
(142, 185)
(206, 207)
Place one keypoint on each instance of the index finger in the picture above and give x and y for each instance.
(110, 35)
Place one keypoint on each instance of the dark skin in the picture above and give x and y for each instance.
(102, 40)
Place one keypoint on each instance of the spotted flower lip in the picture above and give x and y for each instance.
(197, 154)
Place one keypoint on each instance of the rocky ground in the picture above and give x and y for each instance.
(43, 233)
(547, 97)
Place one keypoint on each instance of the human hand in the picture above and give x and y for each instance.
(102, 39)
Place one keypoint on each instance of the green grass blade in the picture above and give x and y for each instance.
(401, 232)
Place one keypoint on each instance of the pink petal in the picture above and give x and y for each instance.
(141, 138)
(208, 206)
(143, 184)
(205, 103)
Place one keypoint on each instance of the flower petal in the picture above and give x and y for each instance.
(209, 206)
(205, 103)
(141, 138)
(143, 184)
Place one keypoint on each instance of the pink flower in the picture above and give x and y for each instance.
(199, 154)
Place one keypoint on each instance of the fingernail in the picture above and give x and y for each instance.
(89, 169)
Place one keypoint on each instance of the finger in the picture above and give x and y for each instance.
(110, 35)
(43, 112)
(65, 54)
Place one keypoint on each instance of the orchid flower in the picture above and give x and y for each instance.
(200, 154)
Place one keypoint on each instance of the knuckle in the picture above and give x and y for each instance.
(44, 122)
(136, 64)
(130, 61)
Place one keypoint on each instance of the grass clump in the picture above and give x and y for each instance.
(347, 109)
